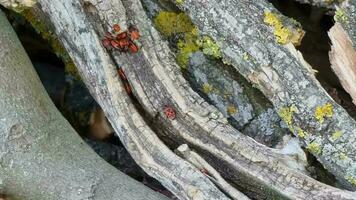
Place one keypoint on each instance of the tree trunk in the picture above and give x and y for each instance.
(41, 156)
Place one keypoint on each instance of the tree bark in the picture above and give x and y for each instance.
(41, 156)
(343, 49)
(156, 81)
(281, 73)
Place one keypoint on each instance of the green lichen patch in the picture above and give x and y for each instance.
(186, 47)
(209, 46)
(322, 112)
(179, 24)
(314, 148)
(283, 33)
(170, 23)
(286, 113)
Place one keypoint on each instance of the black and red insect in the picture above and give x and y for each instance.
(124, 79)
(122, 41)
(169, 112)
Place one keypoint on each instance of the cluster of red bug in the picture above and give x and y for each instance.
(122, 40)
(169, 112)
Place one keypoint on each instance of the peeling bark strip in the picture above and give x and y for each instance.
(343, 49)
(343, 59)
(283, 76)
(41, 156)
(100, 76)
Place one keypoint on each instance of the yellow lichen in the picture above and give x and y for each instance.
(301, 133)
(336, 135)
(179, 2)
(246, 57)
(209, 46)
(340, 16)
(207, 88)
(170, 23)
(343, 156)
(231, 110)
(314, 148)
(286, 113)
(351, 179)
(321, 112)
(282, 33)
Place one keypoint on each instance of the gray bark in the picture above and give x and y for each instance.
(281, 73)
(156, 81)
(76, 23)
(41, 156)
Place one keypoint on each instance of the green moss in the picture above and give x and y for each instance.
(322, 112)
(282, 33)
(314, 147)
(42, 28)
(170, 23)
(336, 135)
(186, 47)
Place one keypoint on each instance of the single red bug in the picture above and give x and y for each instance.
(204, 171)
(133, 47)
(134, 34)
(169, 112)
(128, 88)
(122, 74)
(106, 42)
(116, 28)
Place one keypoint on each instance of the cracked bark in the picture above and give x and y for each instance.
(156, 80)
(281, 73)
(41, 156)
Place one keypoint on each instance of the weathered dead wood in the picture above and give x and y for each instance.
(75, 24)
(281, 73)
(343, 49)
(41, 156)
(157, 82)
